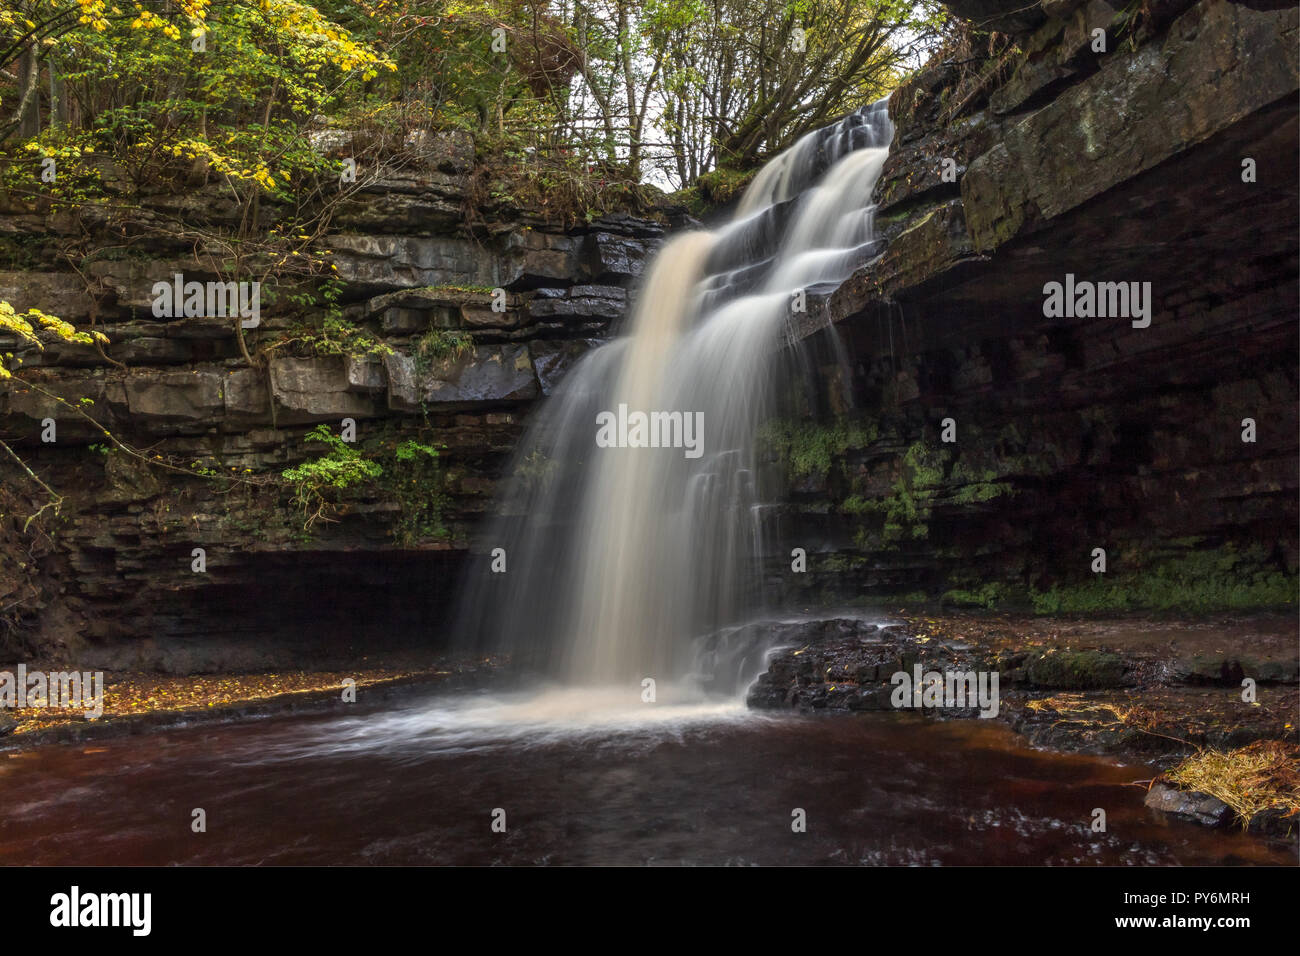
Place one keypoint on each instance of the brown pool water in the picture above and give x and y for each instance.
(690, 785)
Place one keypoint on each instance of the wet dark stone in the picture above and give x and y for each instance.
(1076, 670)
(1188, 805)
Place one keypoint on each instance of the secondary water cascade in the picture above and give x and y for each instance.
(630, 562)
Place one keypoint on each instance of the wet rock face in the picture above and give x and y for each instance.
(1069, 124)
(1219, 62)
(1082, 431)
(474, 327)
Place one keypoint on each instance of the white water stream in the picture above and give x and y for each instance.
(621, 561)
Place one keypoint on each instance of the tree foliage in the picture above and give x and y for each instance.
(666, 89)
(33, 328)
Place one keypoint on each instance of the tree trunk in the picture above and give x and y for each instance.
(29, 104)
(58, 96)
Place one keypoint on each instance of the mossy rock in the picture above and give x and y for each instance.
(720, 186)
(1076, 670)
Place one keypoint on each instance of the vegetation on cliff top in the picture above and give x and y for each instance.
(592, 99)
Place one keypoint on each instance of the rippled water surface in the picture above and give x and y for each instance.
(585, 780)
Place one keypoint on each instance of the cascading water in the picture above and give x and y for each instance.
(620, 561)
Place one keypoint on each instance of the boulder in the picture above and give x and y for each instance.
(487, 374)
(316, 389)
(194, 395)
(1188, 804)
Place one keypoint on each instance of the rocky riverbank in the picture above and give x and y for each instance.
(1158, 690)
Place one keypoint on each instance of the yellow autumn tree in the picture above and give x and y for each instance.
(32, 327)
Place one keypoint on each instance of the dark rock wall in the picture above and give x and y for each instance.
(113, 582)
(1071, 433)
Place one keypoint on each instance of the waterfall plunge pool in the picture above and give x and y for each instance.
(586, 778)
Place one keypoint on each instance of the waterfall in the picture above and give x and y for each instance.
(625, 563)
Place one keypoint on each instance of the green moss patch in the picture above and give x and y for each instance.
(1075, 670)
(1220, 580)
